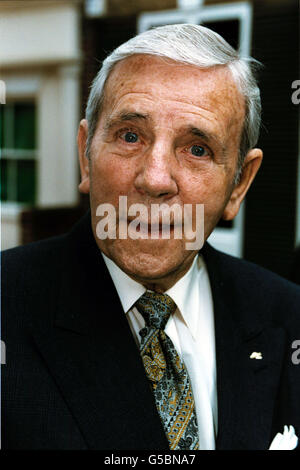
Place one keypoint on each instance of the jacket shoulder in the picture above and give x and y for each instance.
(257, 288)
(247, 270)
(22, 266)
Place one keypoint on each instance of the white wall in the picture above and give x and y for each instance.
(38, 33)
(10, 227)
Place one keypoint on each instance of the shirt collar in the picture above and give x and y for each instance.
(129, 291)
(185, 292)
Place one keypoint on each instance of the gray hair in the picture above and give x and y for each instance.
(187, 44)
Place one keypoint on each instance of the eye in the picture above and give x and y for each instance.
(129, 137)
(198, 151)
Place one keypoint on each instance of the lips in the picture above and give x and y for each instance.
(156, 222)
(152, 232)
(160, 227)
(148, 222)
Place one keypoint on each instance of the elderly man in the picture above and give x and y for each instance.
(119, 337)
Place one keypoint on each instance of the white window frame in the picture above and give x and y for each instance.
(229, 240)
(17, 154)
(22, 88)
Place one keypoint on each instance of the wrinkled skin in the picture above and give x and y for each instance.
(167, 133)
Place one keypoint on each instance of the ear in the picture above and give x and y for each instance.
(84, 186)
(251, 165)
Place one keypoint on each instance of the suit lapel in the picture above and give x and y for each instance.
(245, 387)
(90, 351)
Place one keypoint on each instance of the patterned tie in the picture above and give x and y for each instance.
(167, 374)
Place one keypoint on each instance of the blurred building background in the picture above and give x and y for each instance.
(40, 57)
(51, 51)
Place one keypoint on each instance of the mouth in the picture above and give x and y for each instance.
(147, 230)
(159, 229)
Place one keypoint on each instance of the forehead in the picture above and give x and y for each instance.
(178, 86)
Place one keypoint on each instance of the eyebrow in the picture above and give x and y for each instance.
(206, 136)
(122, 117)
(198, 132)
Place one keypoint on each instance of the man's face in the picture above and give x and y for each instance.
(167, 133)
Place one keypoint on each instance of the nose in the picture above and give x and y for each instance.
(155, 177)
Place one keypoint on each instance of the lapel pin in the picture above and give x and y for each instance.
(256, 355)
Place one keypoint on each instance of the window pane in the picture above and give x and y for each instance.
(25, 131)
(26, 181)
(7, 123)
(229, 29)
(3, 167)
(1, 126)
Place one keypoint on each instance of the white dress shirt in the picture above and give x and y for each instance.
(191, 329)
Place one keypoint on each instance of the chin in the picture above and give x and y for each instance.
(147, 261)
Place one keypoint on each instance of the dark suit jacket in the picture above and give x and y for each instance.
(74, 378)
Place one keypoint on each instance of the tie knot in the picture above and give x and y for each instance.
(156, 309)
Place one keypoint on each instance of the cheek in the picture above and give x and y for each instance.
(110, 176)
(209, 188)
